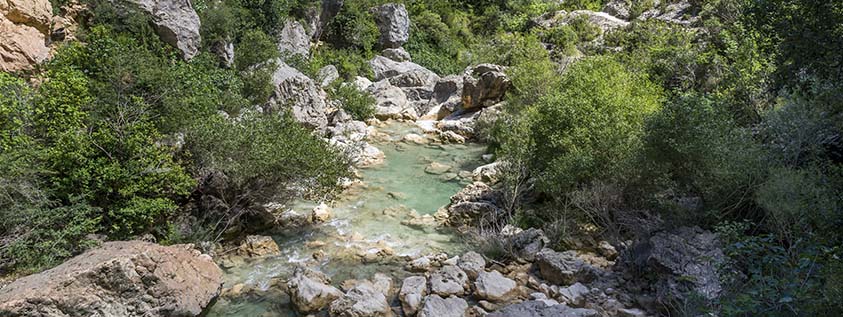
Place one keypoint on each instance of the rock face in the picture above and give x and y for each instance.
(394, 24)
(24, 25)
(685, 259)
(484, 85)
(175, 21)
(447, 97)
(435, 306)
(473, 202)
(563, 268)
(130, 278)
(293, 39)
(298, 92)
(364, 300)
(495, 287)
(309, 290)
(541, 309)
(384, 67)
(412, 293)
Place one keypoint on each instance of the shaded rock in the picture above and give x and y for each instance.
(472, 203)
(126, 278)
(397, 54)
(416, 78)
(327, 75)
(298, 92)
(293, 219)
(394, 24)
(384, 67)
(258, 246)
(225, 52)
(309, 290)
(447, 96)
(361, 301)
(435, 306)
(175, 22)
(293, 39)
(527, 243)
(683, 260)
(618, 8)
(413, 290)
(563, 268)
(484, 85)
(625, 312)
(607, 250)
(495, 287)
(448, 280)
(472, 263)
(451, 137)
(541, 309)
(574, 294)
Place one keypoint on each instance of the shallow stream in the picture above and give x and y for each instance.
(366, 221)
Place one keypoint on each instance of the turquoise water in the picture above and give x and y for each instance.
(366, 220)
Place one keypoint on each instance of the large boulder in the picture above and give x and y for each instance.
(391, 102)
(364, 300)
(484, 85)
(474, 202)
(127, 278)
(397, 54)
(435, 306)
(563, 268)
(394, 24)
(300, 94)
(472, 263)
(310, 290)
(175, 22)
(528, 243)
(385, 68)
(293, 39)
(683, 260)
(412, 292)
(258, 246)
(24, 25)
(446, 98)
(495, 287)
(536, 308)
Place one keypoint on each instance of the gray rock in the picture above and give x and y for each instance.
(489, 173)
(495, 287)
(394, 24)
(618, 8)
(225, 52)
(528, 243)
(606, 22)
(397, 54)
(384, 67)
(448, 280)
(293, 39)
(484, 85)
(447, 96)
(391, 102)
(684, 259)
(175, 22)
(474, 202)
(298, 92)
(364, 300)
(541, 309)
(413, 291)
(309, 290)
(327, 75)
(435, 306)
(574, 294)
(472, 263)
(631, 312)
(126, 278)
(563, 268)
(415, 78)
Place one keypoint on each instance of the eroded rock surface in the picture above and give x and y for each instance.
(175, 22)
(127, 278)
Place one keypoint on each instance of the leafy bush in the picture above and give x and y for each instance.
(353, 27)
(360, 105)
(563, 38)
(585, 30)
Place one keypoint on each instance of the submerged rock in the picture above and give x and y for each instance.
(127, 278)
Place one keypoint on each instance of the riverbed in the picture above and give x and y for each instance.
(365, 234)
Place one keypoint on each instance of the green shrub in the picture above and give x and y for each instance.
(360, 105)
(591, 126)
(563, 38)
(353, 27)
(585, 30)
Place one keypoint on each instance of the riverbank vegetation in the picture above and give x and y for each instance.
(733, 123)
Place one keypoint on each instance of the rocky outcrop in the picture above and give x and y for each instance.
(684, 259)
(131, 278)
(328, 75)
(394, 24)
(446, 98)
(24, 25)
(484, 85)
(603, 20)
(397, 54)
(310, 291)
(300, 94)
(293, 39)
(679, 12)
(384, 67)
(435, 306)
(364, 300)
(175, 22)
(474, 202)
(542, 309)
(391, 102)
